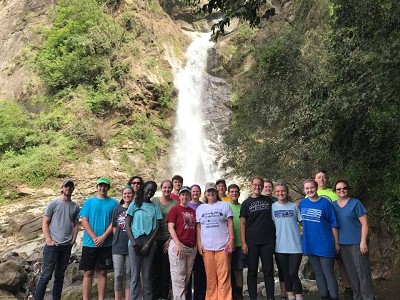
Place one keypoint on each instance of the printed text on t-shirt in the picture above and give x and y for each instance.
(258, 205)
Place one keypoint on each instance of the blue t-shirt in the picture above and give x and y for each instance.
(144, 218)
(286, 217)
(318, 218)
(99, 214)
(349, 223)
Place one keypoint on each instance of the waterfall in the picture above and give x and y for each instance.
(192, 156)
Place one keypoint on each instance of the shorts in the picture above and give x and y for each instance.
(96, 258)
(239, 259)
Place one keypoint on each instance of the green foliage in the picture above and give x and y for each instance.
(142, 133)
(252, 11)
(32, 146)
(324, 95)
(113, 4)
(33, 165)
(14, 124)
(81, 50)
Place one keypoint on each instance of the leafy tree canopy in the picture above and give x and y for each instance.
(323, 94)
(251, 11)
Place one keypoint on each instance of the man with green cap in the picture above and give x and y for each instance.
(96, 258)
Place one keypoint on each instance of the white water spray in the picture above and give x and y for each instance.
(191, 156)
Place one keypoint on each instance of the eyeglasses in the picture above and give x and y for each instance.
(342, 189)
(136, 182)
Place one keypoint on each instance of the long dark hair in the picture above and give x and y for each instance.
(140, 194)
(133, 178)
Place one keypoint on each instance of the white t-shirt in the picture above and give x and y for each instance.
(213, 219)
(286, 217)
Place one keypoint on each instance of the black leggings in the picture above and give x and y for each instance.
(265, 252)
(160, 273)
(290, 264)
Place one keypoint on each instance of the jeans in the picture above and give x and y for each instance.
(325, 275)
(55, 259)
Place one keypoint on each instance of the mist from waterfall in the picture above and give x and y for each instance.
(191, 157)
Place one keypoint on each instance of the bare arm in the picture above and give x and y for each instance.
(231, 241)
(336, 237)
(199, 245)
(364, 233)
(46, 231)
(88, 228)
(75, 231)
(174, 236)
(100, 240)
(243, 235)
(145, 248)
(128, 224)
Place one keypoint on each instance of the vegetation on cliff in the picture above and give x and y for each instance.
(321, 93)
(100, 80)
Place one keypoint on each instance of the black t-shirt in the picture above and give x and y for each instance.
(260, 228)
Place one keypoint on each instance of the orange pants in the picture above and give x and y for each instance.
(218, 272)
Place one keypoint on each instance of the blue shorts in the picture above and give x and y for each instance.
(239, 259)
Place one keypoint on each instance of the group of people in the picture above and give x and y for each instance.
(199, 246)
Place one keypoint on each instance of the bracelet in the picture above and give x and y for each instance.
(231, 238)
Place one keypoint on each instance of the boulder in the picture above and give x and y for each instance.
(4, 295)
(12, 275)
(27, 225)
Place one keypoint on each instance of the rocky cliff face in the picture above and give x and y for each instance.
(17, 29)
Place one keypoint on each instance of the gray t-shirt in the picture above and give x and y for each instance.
(286, 217)
(62, 216)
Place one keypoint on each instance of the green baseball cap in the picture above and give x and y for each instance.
(104, 180)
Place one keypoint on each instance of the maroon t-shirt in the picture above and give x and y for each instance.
(184, 219)
(175, 197)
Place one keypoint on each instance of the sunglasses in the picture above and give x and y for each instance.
(136, 182)
(342, 189)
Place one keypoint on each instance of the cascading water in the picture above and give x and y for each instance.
(192, 157)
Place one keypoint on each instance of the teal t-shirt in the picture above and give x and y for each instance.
(144, 218)
(236, 223)
(99, 214)
(328, 193)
